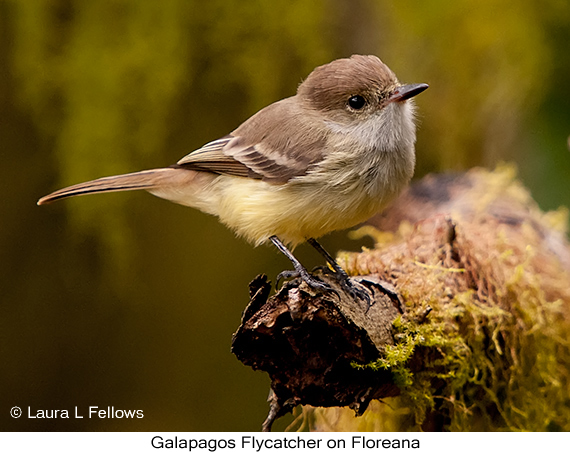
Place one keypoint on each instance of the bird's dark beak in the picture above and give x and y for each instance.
(405, 92)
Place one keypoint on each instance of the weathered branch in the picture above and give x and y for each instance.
(307, 342)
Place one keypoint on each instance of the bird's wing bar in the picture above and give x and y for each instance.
(233, 156)
(212, 158)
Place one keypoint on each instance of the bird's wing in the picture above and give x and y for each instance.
(212, 158)
(275, 145)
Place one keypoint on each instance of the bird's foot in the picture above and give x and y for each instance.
(354, 289)
(305, 276)
(351, 287)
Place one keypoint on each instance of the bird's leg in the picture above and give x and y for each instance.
(331, 260)
(299, 269)
(341, 275)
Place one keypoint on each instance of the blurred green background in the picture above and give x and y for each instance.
(129, 301)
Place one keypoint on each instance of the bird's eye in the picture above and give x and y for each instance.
(356, 102)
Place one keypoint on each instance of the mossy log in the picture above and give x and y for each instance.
(469, 328)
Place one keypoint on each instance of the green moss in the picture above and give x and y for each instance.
(481, 367)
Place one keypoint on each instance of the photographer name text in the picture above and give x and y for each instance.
(92, 412)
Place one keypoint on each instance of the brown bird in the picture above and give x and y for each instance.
(325, 159)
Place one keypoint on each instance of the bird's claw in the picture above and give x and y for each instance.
(355, 290)
(285, 274)
(305, 276)
(352, 288)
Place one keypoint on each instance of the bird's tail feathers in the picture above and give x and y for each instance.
(142, 180)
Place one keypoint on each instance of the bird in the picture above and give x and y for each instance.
(325, 159)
